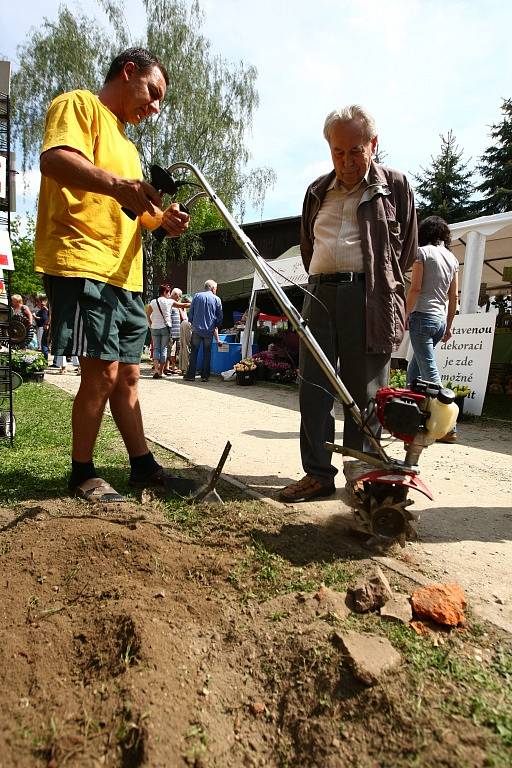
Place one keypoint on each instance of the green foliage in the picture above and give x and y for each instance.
(503, 304)
(397, 378)
(25, 361)
(58, 56)
(461, 390)
(43, 428)
(189, 246)
(24, 280)
(496, 166)
(445, 188)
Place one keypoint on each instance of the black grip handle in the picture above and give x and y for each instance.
(160, 233)
(131, 215)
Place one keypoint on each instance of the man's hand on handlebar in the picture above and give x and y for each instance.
(175, 221)
(137, 195)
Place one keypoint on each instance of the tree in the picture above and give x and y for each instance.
(24, 280)
(496, 166)
(204, 119)
(58, 56)
(445, 189)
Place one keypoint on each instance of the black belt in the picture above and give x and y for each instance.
(338, 277)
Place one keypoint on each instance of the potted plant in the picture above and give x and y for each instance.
(461, 391)
(261, 369)
(397, 378)
(29, 363)
(281, 372)
(245, 371)
(272, 368)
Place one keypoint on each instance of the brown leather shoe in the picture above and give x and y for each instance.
(451, 437)
(308, 488)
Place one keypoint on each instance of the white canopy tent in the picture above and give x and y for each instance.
(483, 248)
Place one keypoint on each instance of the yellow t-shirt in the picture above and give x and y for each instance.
(85, 234)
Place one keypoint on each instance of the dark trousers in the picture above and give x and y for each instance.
(44, 344)
(340, 328)
(195, 343)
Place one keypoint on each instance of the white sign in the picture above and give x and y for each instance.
(3, 177)
(6, 261)
(466, 357)
(284, 271)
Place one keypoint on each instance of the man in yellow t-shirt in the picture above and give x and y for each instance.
(90, 252)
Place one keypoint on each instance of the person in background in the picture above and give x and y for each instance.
(90, 251)
(42, 317)
(205, 316)
(431, 301)
(185, 339)
(20, 311)
(358, 238)
(159, 315)
(178, 314)
(61, 362)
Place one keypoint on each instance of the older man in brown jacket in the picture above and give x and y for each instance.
(358, 238)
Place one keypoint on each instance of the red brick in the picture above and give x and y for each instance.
(443, 603)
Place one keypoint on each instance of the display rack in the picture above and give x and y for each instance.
(8, 380)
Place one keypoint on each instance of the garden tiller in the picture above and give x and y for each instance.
(419, 415)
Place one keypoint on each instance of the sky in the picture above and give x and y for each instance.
(422, 67)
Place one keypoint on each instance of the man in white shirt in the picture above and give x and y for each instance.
(358, 237)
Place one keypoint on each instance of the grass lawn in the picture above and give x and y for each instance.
(39, 463)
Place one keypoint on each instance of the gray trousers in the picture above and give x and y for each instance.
(340, 329)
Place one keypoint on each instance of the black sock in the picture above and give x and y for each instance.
(143, 467)
(80, 472)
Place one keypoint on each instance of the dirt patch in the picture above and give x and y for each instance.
(126, 641)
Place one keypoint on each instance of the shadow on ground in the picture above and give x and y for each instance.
(325, 542)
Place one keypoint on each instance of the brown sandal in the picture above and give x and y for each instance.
(307, 488)
(98, 490)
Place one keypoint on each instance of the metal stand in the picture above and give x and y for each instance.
(7, 384)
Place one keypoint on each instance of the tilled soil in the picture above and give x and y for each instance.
(126, 641)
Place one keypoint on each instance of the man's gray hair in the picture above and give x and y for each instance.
(346, 114)
(210, 285)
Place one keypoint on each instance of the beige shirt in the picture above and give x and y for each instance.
(337, 243)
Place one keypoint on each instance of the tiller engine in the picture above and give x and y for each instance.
(379, 486)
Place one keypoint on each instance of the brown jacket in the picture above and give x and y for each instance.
(389, 240)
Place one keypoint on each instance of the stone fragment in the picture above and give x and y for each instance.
(370, 656)
(397, 608)
(258, 708)
(372, 593)
(330, 601)
(443, 603)
(420, 628)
